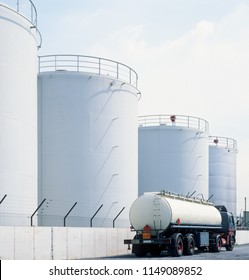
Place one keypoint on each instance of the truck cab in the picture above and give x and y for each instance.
(228, 228)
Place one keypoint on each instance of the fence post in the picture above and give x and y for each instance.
(113, 222)
(3, 198)
(64, 224)
(91, 220)
(39, 206)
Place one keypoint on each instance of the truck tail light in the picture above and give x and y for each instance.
(146, 235)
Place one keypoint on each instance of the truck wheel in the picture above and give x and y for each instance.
(218, 244)
(178, 246)
(189, 244)
(230, 245)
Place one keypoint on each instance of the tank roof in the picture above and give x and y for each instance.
(26, 8)
(223, 142)
(88, 64)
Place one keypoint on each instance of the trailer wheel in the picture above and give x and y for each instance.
(177, 249)
(189, 244)
(231, 242)
(138, 249)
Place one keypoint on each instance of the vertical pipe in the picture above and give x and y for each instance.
(78, 58)
(39, 64)
(99, 67)
(245, 212)
(55, 62)
(31, 7)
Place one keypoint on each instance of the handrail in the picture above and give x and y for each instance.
(223, 141)
(29, 13)
(26, 8)
(173, 120)
(89, 64)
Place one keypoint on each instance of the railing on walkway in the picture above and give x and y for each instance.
(223, 141)
(89, 64)
(173, 120)
(25, 8)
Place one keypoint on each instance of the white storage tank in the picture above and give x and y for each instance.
(87, 141)
(222, 171)
(18, 112)
(173, 155)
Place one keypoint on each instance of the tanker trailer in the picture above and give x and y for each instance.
(178, 224)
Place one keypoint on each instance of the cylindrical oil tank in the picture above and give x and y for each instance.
(18, 113)
(173, 154)
(87, 141)
(159, 210)
(222, 171)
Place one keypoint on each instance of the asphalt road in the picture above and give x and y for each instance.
(240, 252)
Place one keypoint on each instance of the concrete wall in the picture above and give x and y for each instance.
(58, 243)
(242, 236)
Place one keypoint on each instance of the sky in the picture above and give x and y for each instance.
(191, 56)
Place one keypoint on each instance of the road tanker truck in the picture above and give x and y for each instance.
(178, 224)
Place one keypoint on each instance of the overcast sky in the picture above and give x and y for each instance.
(191, 56)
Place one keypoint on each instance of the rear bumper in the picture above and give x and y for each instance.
(163, 241)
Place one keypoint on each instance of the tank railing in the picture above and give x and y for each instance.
(89, 64)
(173, 120)
(223, 142)
(185, 198)
(26, 8)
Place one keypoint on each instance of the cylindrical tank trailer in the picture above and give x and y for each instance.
(178, 224)
(161, 210)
